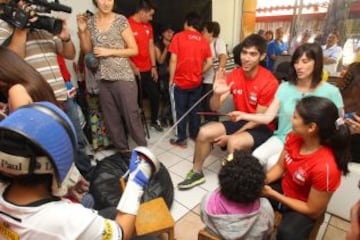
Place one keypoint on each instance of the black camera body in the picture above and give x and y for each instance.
(19, 18)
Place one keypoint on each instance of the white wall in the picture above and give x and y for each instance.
(228, 14)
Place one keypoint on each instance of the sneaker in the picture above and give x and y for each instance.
(178, 143)
(157, 126)
(192, 179)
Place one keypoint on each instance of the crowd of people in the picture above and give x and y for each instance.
(288, 142)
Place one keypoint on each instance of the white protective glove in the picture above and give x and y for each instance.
(140, 173)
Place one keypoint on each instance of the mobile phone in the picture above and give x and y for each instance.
(350, 115)
(89, 13)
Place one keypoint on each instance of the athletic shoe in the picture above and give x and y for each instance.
(178, 143)
(192, 179)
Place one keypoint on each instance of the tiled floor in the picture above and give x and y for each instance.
(185, 209)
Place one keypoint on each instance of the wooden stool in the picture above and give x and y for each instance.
(314, 231)
(205, 235)
(153, 218)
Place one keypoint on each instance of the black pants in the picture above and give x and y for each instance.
(165, 113)
(150, 90)
(294, 225)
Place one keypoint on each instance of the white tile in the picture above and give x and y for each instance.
(190, 198)
(184, 153)
(211, 182)
(215, 166)
(156, 150)
(327, 217)
(181, 168)
(322, 231)
(178, 211)
(175, 178)
(169, 159)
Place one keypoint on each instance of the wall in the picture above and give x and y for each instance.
(228, 14)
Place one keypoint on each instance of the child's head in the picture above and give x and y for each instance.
(329, 126)
(37, 143)
(242, 179)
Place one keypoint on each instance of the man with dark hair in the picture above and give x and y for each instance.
(275, 48)
(253, 89)
(144, 64)
(237, 202)
(190, 58)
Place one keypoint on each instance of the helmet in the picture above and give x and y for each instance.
(41, 126)
(150, 157)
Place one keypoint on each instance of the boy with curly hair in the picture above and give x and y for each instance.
(235, 210)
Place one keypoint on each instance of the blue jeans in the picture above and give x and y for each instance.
(184, 100)
(82, 160)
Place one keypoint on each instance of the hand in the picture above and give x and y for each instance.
(154, 74)
(79, 189)
(221, 141)
(220, 84)
(64, 34)
(267, 191)
(82, 22)
(354, 124)
(236, 116)
(136, 71)
(102, 52)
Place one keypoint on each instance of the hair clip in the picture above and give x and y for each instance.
(229, 158)
(340, 121)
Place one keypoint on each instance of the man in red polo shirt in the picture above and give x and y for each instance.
(144, 64)
(190, 58)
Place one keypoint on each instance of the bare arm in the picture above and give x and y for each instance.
(84, 34)
(18, 96)
(161, 56)
(208, 64)
(68, 48)
(277, 171)
(314, 206)
(18, 42)
(222, 60)
(249, 125)
(260, 117)
(172, 67)
(127, 223)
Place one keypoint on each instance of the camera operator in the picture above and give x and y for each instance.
(40, 48)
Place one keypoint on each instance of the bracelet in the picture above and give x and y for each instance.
(66, 40)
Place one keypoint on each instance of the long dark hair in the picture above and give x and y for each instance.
(14, 70)
(312, 51)
(333, 132)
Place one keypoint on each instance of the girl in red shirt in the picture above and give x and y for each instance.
(309, 169)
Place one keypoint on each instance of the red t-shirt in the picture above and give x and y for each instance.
(317, 170)
(249, 93)
(143, 33)
(191, 49)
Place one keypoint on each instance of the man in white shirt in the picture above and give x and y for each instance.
(332, 53)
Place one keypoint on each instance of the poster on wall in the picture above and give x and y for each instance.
(169, 12)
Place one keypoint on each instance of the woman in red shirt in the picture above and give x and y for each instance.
(309, 169)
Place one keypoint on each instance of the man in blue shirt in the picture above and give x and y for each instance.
(275, 48)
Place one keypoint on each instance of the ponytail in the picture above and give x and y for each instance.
(339, 142)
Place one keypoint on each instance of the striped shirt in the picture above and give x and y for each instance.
(41, 52)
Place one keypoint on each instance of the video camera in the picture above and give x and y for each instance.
(19, 17)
